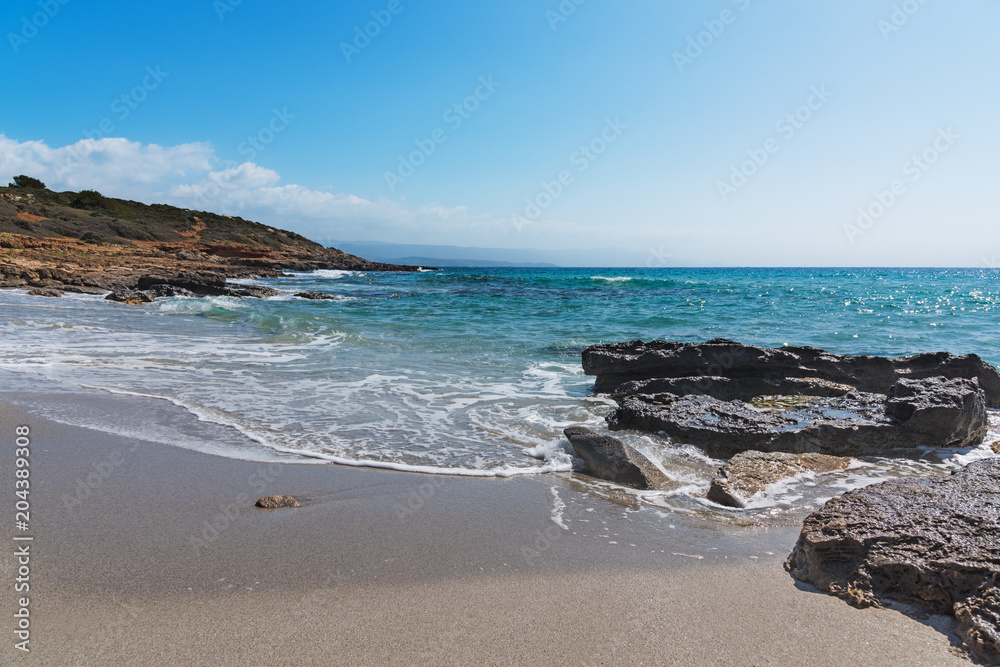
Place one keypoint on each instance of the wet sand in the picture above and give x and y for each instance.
(145, 553)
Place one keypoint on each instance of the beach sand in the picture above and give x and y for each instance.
(149, 554)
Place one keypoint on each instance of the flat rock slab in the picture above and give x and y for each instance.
(611, 459)
(934, 544)
(619, 363)
(932, 412)
(750, 473)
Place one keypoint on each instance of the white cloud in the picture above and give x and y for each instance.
(192, 176)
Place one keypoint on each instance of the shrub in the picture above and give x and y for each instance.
(88, 199)
(23, 181)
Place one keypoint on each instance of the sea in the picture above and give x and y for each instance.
(472, 372)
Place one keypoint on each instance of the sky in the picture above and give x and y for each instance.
(708, 133)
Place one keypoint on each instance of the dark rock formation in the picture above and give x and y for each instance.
(749, 473)
(202, 284)
(255, 291)
(611, 459)
(950, 412)
(274, 502)
(41, 291)
(163, 290)
(198, 284)
(619, 363)
(131, 297)
(932, 412)
(930, 543)
(733, 389)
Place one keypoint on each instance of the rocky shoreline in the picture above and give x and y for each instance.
(57, 242)
(778, 413)
(932, 544)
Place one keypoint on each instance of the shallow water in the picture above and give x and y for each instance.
(472, 372)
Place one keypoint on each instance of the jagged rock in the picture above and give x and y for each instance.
(932, 412)
(13, 282)
(930, 543)
(274, 502)
(619, 363)
(951, 412)
(315, 296)
(749, 473)
(996, 447)
(39, 291)
(159, 291)
(255, 291)
(202, 284)
(611, 459)
(131, 297)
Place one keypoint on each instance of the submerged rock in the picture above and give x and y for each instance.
(274, 502)
(200, 284)
(131, 297)
(317, 296)
(611, 459)
(932, 412)
(41, 291)
(163, 290)
(747, 365)
(932, 544)
(749, 473)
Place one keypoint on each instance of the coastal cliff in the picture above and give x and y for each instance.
(86, 241)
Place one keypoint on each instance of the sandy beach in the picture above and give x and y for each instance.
(149, 554)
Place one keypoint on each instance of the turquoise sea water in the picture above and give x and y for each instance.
(461, 371)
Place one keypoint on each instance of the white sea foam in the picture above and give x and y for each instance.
(613, 279)
(558, 508)
(331, 274)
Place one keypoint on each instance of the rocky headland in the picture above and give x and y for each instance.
(83, 242)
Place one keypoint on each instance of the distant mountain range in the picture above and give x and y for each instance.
(447, 255)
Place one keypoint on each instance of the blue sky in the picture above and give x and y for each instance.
(655, 127)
